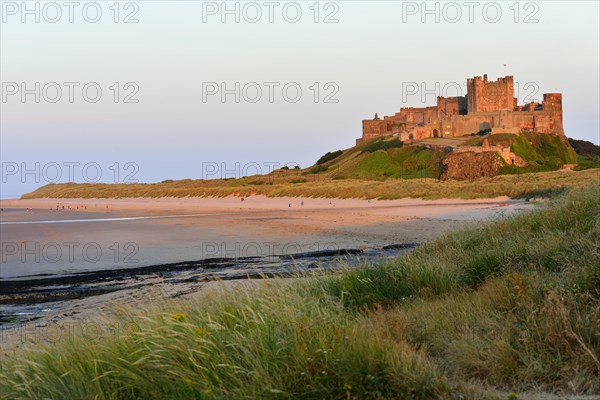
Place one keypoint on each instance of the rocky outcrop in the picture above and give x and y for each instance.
(470, 165)
(508, 156)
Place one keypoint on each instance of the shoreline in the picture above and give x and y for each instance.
(181, 255)
(233, 201)
(145, 232)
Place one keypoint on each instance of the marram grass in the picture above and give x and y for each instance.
(509, 307)
(293, 184)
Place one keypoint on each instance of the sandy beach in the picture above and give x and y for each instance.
(93, 234)
(59, 240)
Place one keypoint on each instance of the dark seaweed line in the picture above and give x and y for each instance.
(8, 287)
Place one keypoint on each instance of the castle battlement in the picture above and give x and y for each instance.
(488, 105)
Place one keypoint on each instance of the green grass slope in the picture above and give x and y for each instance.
(588, 154)
(587, 162)
(541, 151)
(510, 306)
(381, 158)
(385, 157)
(371, 170)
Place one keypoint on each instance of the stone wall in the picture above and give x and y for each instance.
(471, 123)
(447, 106)
(488, 105)
(470, 165)
(508, 156)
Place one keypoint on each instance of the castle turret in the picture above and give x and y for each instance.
(552, 107)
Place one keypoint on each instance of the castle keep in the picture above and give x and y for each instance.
(488, 106)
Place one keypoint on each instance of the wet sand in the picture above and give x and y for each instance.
(176, 230)
(97, 236)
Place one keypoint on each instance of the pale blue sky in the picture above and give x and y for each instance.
(170, 52)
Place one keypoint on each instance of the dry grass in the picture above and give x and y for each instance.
(510, 306)
(279, 184)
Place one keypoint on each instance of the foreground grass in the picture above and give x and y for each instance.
(294, 184)
(510, 306)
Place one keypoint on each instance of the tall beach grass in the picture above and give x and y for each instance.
(293, 184)
(511, 306)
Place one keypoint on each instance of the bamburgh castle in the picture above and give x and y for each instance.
(488, 106)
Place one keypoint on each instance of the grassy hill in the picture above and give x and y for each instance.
(481, 313)
(381, 158)
(382, 167)
(386, 157)
(293, 184)
(542, 152)
(588, 154)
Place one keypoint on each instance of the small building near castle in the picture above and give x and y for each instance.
(489, 106)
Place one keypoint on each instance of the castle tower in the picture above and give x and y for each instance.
(552, 107)
(488, 104)
(490, 96)
(472, 85)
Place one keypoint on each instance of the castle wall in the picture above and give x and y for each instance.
(447, 126)
(488, 105)
(373, 128)
(471, 123)
(447, 106)
(422, 132)
(420, 115)
(524, 120)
